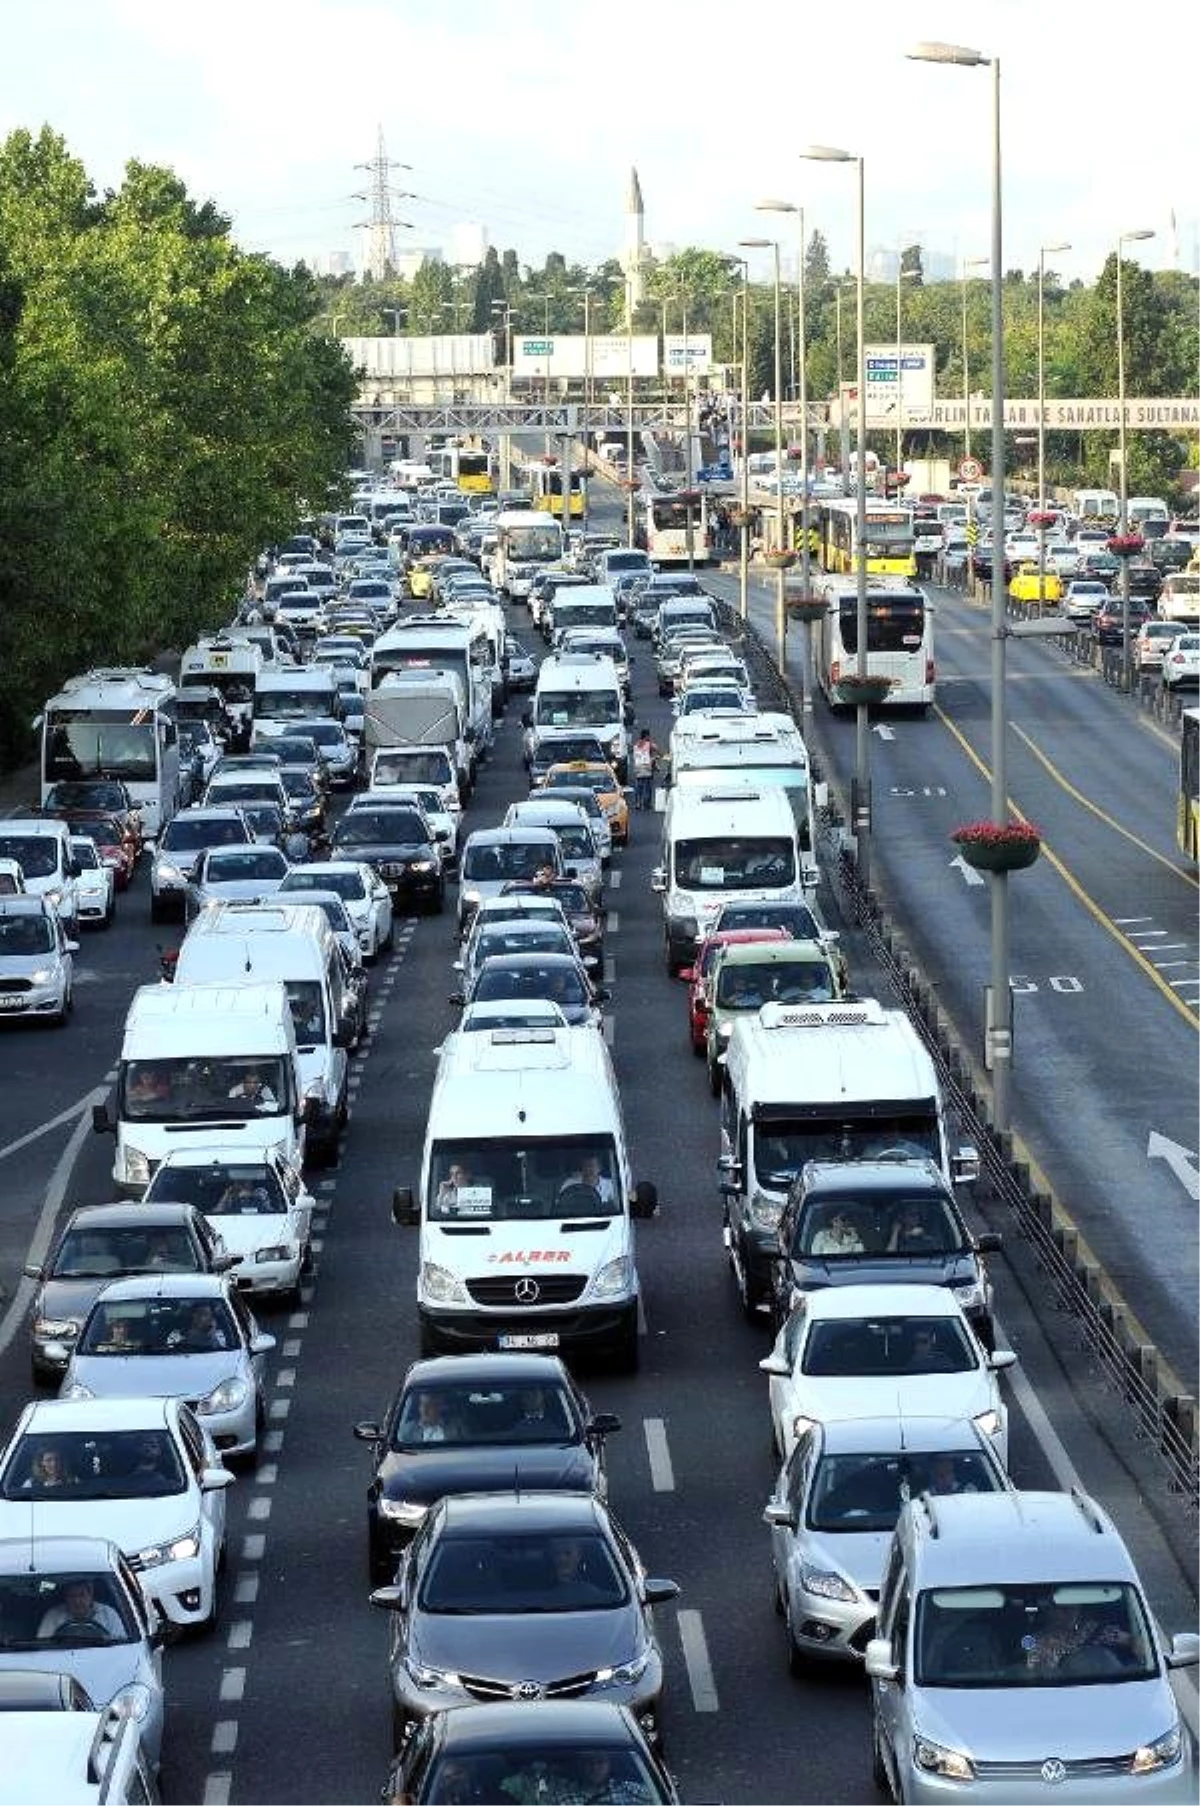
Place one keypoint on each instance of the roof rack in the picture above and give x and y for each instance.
(1088, 1510)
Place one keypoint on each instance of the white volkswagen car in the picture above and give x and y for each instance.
(881, 1351)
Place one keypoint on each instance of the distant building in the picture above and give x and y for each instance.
(410, 259)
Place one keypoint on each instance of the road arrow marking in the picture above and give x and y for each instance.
(1178, 1158)
(968, 871)
(884, 732)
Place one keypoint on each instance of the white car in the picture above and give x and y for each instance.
(1181, 664)
(261, 1209)
(361, 889)
(37, 963)
(95, 883)
(1083, 597)
(876, 1351)
(142, 1472)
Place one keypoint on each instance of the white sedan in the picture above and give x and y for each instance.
(95, 883)
(1181, 665)
(878, 1351)
(261, 1209)
(361, 889)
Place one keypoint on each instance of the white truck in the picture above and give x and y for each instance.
(420, 707)
(928, 476)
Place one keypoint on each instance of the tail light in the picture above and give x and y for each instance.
(930, 671)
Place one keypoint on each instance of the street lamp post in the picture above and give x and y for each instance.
(629, 458)
(998, 1038)
(744, 440)
(1043, 251)
(969, 263)
(902, 276)
(802, 396)
(843, 433)
(1125, 238)
(504, 309)
(586, 293)
(861, 807)
(772, 244)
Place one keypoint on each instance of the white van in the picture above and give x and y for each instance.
(723, 842)
(822, 1081)
(41, 847)
(212, 1060)
(581, 692)
(1179, 598)
(298, 693)
(293, 943)
(765, 750)
(525, 1202)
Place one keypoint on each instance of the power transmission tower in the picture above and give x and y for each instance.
(380, 258)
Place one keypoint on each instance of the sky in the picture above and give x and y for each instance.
(528, 124)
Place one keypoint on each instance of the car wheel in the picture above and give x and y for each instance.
(777, 1599)
(626, 1349)
(698, 1047)
(157, 912)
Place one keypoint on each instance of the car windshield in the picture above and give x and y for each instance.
(99, 1252)
(413, 768)
(74, 1609)
(36, 854)
(348, 884)
(746, 985)
(222, 1190)
(887, 1347)
(236, 866)
(473, 1414)
(186, 835)
(1073, 1635)
(389, 827)
(782, 1144)
(731, 863)
(534, 938)
(129, 1327)
(515, 1575)
(559, 1177)
(796, 919)
(493, 861)
(93, 1464)
(85, 854)
(557, 983)
(202, 1089)
(900, 1226)
(25, 936)
(864, 1492)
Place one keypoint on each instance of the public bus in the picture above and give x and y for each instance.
(116, 722)
(675, 528)
(545, 480)
(1187, 828)
(469, 466)
(899, 641)
(889, 546)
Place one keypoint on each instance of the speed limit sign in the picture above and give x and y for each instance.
(970, 470)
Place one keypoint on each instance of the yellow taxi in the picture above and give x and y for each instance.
(607, 785)
(421, 573)
(1024, 585)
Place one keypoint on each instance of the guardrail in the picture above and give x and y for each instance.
(1157, 1413)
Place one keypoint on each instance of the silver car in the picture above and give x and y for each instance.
(234, 875)
(37, 966)
(182, 1335)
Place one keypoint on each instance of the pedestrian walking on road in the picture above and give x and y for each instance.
(645, 752)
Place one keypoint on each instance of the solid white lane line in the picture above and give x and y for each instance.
(84, 1104)
(662, 1474)
(56, 1191)
(699, 1668)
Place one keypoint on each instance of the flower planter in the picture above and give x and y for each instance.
(853, 690)
(779, 561)
(806, 608)
(1126, 545)
(1004, 851)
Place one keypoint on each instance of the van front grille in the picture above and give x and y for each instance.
(524, 1291)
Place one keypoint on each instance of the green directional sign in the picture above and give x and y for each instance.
(537, 347)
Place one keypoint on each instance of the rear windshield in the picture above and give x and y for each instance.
(494, 863)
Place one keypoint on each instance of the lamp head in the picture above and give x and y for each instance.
(827, 153)
(1130, 238)
(775, 207)
(757, 244)
(958, 54)
(1048, 250)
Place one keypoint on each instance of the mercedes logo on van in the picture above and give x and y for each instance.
(527, 1291)
(1054, 1770)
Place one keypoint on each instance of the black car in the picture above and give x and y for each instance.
(476, 1423)
(555, 977)
(505, 1596)
(396, 843)
(544, 1749)
(879, 1222)
(1145, 579)
(102, 1242)
(1108, 620)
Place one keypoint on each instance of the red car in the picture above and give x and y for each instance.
(696, 975)
(116, 843)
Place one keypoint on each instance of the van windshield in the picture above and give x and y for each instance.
(413, 768)
(202, 1089)
(523, 1181)
(578, 708)
(783, 1144)
(731, 863)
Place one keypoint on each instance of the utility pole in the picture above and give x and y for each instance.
(380, 258)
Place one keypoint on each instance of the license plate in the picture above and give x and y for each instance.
(548, 1339)
(12, 1003)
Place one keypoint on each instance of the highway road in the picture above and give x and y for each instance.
(288, 1699)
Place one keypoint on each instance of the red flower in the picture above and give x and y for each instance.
(1126, 545)
(996, 834)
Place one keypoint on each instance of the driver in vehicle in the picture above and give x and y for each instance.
(81, 1612)
(589, 1175)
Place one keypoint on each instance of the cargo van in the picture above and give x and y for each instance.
(525, 1202)
(298, 693)
(216, 1063)
(291, 943)
(582, 692)
(766, 750)
(824, 1081)
(723, 842)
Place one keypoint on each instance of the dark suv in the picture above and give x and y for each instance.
(879, 1222)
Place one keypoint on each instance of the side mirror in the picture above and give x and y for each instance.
(658, 879)
(31, 1270)
(686, 974)
(964, 1165)
(645, 1199)
(221, 1263)
(216, 1479)
(780, 1515)
(1183, 1650)
(404, 1207)
(775, 1366)
(457, 998)
(1002, 1359)
(603, 1423)
(601, 994)
(660, 1592)
(261, 1344)
(990, 1242)
(57, 1352)
(821, 795)
(388, 1599)
(879, 1662)
(102, 1122)
(368, 1431)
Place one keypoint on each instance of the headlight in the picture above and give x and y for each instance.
(969, 1295)
(135, 1165)
(614, 1279)
(132, 1701)
(228, 1396)
(936, 1759)
(473, 897)
(57, 1329)
(989, 1422)
(1162, 1753)
(42, 976)
(171, 873)
(765, 1212)
(625, 1672)
(77, 1389)
(422, 865)
(825, 1584)
(54, 896)
(724, 1031)
(403, 1511)
(182, 1548)
(281, 1251)
(430, 1677)
(440, 1286)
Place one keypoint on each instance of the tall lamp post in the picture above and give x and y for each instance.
(1043, 252)
(505, 312)
(802, 397)
(861, 805)
(772, 244)
(902, 276)
(998, 1039)
(843, 434)
(969, 263)
(1125, 238)
(744, 438)
(586, 294)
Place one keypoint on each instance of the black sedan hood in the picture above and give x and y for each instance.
(434, 1471)
(811, 1272)
(372, 851)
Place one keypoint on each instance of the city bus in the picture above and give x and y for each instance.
(899, 641)
(889, 542)
(545, 480)
(1187, 827)
(663, 523)
(116, 722)
(470, 466)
